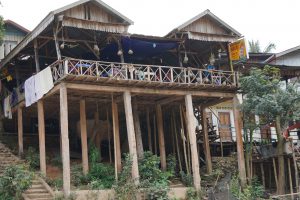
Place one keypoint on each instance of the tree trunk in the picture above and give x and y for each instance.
(280, 147)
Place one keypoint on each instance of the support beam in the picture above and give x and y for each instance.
(149, 130)
(193, 141)
(116, 132)
(138, 132)
(83, 131)
(102, 88)
(161, 138)
(131, 135)
(20, 131)
(239, 142)
(206, 141)
(65, 140)
(36, 55)
(42, 145)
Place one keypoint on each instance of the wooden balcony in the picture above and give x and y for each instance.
(106, 73)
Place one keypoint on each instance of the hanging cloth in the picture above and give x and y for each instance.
(43, 82)
(29, 86)
(7, 107)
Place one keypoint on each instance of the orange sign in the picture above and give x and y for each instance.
(238, 50)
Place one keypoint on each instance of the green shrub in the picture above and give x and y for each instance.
(57, 161)
(187, 179)
(125, 188)
(193, 194)
(251, 192)
(14, 181)
(33, 158)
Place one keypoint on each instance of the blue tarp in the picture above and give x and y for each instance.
(142, 49)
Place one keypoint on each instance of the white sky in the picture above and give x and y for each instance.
(276, 21)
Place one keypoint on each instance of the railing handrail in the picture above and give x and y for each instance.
(146, 65)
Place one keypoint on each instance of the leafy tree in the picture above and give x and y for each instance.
(254, 47)
(274, 103)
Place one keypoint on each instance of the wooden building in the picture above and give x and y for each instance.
(13, 34)
(103, 73)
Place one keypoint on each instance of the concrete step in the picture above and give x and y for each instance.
(39, 195)
(36, 190)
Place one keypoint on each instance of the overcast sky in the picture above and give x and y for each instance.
(276, 21)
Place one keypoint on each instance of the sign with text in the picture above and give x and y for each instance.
(238, 50)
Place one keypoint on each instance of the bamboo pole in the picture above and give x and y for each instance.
(290, 177)
(154, 134)
(161, 137)
(206, 141)
(183, 141)
(108, 135)
(187, 139)
(149, 130)
(83, 132)
(295, 168)
(20, 131)
(42, 145)
(176, 139)
(172, 135)
(117, 146)
(275, 172)
(262, 174)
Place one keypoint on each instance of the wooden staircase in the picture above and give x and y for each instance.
(39, 190)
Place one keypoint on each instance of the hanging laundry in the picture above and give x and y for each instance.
(7, 107)
(30, 96)
(38, 85)
(43, 82)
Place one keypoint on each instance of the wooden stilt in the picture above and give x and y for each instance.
(108, 136)
(172, 136)
(290, 177)
(187, 140)
(275, 172)
(138, 132)
(149, 130)
(20, 131)
(131, 135)
(154, 134)
(262, 174)
(65, 140)
(83, 130)
(206, 141)
(176, 140)
(42, 146)
(161, 138)
(116, 132)
(239, 142)
(183, 141)
(96, 132)
(193, 141)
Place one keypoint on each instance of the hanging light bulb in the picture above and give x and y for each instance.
(185, 59)
(130, 52)
(62, 46)
(96, 48)
(120, 52)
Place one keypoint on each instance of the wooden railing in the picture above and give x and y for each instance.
(140, 72)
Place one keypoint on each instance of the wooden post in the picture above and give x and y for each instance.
(239, 142)
(41, 122)
(206, 141)
(149, 130)
(20, 131)
(161, 139)
(55, 29)
(275, 172)
(154, 134)
(138, 132)
(83, 130)
(131, 135)
(295, 168)
(116, 132)
(36, 55)
(108, 135)
(193, 141)
(262, 174)
(65, 140)
(176, 139)
(290, 177)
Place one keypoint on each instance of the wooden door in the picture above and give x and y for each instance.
(225, 126)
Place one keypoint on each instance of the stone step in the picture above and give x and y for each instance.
(37, 186)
